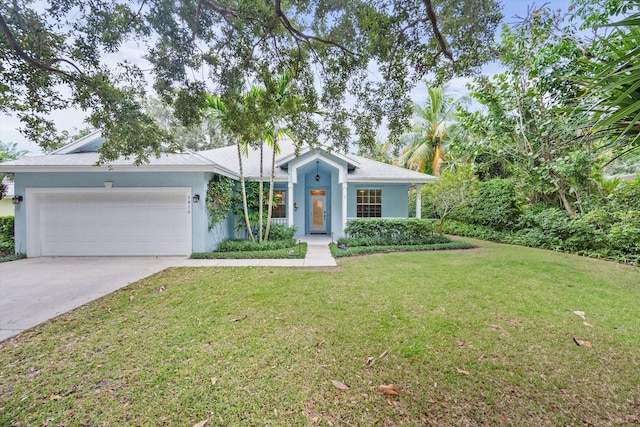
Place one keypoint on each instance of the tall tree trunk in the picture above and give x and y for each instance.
(244, 195)
(272, 180)
(260, 195)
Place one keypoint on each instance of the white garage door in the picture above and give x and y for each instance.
(105, 222)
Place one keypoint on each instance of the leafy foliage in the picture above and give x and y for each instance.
(390, 231)
(614, 81)
(366, 249)
(453, 191)
(219, 199)
(424, 150)
(496, 205)
(247, 245)
(294, 251)
(7, 244)
(57, 54)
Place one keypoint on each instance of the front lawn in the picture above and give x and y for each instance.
(480, 337)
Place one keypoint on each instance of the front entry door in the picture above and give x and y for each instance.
(318, 214)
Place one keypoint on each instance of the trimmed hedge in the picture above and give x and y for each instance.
(299, 251)
(379, 241)
(236, 245)
(412, 231)
(361, 250)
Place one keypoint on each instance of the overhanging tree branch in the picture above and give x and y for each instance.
(431, 14)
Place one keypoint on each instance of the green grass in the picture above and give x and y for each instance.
(299, 251)
(274, 338)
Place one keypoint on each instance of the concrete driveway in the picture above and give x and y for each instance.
(33, 290)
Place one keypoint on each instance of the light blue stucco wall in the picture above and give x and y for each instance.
(394, 196)
(203, 239)
(395, 199)
(329, 176)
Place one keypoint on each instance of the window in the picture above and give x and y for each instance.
(369, 203)
(279, 209)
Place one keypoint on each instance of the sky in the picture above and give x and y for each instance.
(73, 120)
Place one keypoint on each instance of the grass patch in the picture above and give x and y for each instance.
(291, 252)
(13, 257)
(336, 252)
(483, 337)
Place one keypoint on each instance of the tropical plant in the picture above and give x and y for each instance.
(218, 112)
(615, 84)
(431, 122)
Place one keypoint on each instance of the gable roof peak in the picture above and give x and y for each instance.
(91, 141)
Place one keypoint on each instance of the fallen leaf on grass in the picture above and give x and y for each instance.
(391, 389)
(579, 313)
(200, 424)
(55, 397)
(339, 385)
(214, 380)
(384, 354)
(370, 361)
(237, 319)
(462, 371)
(582, 343)
(585, 323)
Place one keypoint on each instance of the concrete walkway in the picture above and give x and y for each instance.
(318, 255)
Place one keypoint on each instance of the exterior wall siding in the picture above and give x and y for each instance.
(395, 199)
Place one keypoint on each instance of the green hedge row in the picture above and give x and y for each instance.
(292, 252)
(410, 231)
(360, 250)
(237, 245)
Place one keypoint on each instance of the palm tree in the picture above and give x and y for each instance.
(273, 131)
(617, 87)
(424, 152)
(218, 112)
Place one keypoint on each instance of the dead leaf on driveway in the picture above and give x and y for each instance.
(462, 371)
(582, 343)
(339, 385)
(200, 424)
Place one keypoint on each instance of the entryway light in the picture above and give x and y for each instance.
(16, 200)
(317, 174)
(196, 198)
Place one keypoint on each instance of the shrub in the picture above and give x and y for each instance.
(281, 232)
(410, 231)
(496, 205)
(235, 245)
(431, 239)
(7, 243)
(360, 250)
(625, 233)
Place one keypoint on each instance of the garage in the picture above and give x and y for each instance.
(108, 221)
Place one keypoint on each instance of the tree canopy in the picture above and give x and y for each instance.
(364, 53)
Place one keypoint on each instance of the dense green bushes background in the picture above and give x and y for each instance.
(7, 244)
(607, 227)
